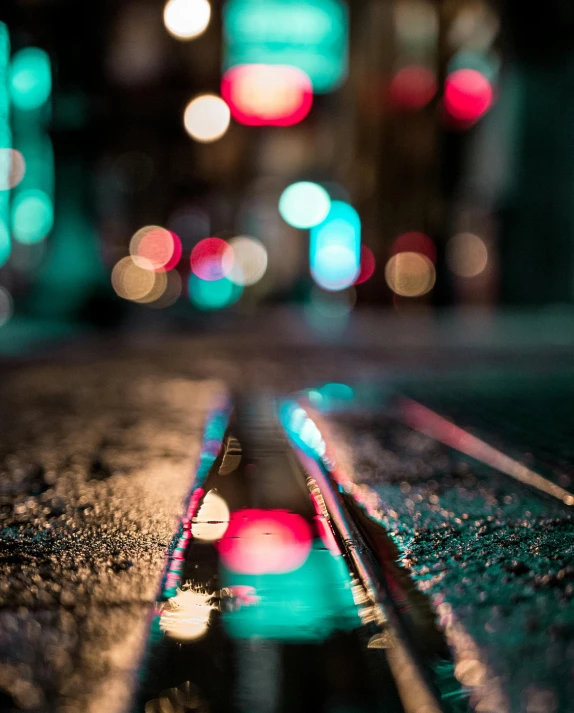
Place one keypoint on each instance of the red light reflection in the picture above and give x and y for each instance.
(265, 542)
(211, 259)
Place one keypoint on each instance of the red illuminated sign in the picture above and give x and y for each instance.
(267, 95)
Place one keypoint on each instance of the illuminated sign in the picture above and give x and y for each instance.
(267, 95)
(311, 35)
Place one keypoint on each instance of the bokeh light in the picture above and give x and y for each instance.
(267, 95)
(155, 247)
(186, 19)
(157, 291)
(6, 306)
(335, 248)
(206, 118)
(30, 78)
(212, 519)
(171, 293)
(334, 267)
(415, 242)
(416, 24)
(412, 87)
(131, 281)
(213, 294)
(249, 260)
(467, 95)
(265, 542)
(12, 168)
(32, 216)
(368, 265)
(466, 255)
(5, 243)
(304, 204)
(311, 36)
(410, 274)
(211, 259)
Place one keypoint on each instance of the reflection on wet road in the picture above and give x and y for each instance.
(259, 611)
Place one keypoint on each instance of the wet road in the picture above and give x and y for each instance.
(92, 497)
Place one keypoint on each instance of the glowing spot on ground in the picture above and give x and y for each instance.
(466, 255)
(265, 542)
(249, 258)
(186, 19)
(368, 265)
(414, 242)
(467, 95)
(30, 78)
(267, 95)
(412, 87)
(304, 204)
(6, 306)
(410, 274)
(186, 616)
(32, 216)
(206, 118)
(211, 259)
(132, 282)
(155, 247)
(12, 168)
(213, 294)
(212, 519)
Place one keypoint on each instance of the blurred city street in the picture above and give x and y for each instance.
(286, 356)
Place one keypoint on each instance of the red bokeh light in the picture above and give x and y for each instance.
(412, 87)
(267, 95)
(156, 249)
(414, 242)
(265, 542)
(467, 95)
(211, 259)
(368, 265)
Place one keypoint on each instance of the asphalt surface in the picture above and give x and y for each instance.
(494, 557)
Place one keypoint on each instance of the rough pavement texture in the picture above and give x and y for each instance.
(95, 464)
(496, 559)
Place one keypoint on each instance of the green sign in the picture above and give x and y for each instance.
(309, 34)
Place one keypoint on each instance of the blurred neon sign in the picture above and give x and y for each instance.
(311, 35)
(267, 95)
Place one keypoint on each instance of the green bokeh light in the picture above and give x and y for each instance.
(30, 78)
(32, 216)
(304, 204)
(5, 244)
(214, 294)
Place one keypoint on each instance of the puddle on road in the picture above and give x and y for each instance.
(258, 611)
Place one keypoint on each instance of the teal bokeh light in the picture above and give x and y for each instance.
(304, 204)
(30, 78)
(213, 294)
(32, 216)
(335, 248)
(311, 35)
